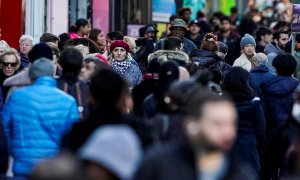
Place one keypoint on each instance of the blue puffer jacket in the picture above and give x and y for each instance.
(35, 118)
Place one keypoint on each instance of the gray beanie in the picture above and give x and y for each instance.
(247, 39)
(41, 67)
(223, 48)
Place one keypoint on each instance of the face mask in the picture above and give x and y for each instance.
(296, 112)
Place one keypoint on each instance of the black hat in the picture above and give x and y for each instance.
(195, 22)
(150, 28)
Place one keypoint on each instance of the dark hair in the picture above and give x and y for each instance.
(261, 31)
(93, 48)
(276, 34)
(173, 17)
(225, 18)
(48, 37)
(233, 10)
(182, 10)
(94, 34)
(210, 42)
(98, 63)
(285, 64)
(200, 14)
(63, 38)
(40, 50)
(236, 80)
(171, 43)
(115, 35)
(107, 87)
(197, 97)
(71, 62)
(80, 22)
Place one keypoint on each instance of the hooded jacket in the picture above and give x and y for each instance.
(271, 51)
(164, 55)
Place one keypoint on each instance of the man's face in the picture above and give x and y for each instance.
(225, 26)
(149, 35)
(186, 16)
(25, 46)
(108, 43)
(87, 70)
(249, 50)
(213, 131)
(178, 32)
(267, 38)
(281, 42)
(194, 29)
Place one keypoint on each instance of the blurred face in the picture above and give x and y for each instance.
(149, 35)
(281, 42)
(178, 32)
(225, 26)
(213, 131)
(119, 54)
(100, 39)
(216, 21)
(267, 38)
(87, 70)
(9, 65)
(25, 46)
(108, 43)
(249, 49)
(194, 29)
(186, 16)
(86, 29)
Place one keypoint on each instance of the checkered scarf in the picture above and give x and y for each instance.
(120, 66)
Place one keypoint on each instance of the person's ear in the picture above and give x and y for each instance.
(191, 126)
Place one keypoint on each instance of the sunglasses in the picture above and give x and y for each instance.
(6, 64)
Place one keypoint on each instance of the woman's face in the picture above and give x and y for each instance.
(9, 65)
(100, 39)
(86, 29)
(25, 46)
(119, 53)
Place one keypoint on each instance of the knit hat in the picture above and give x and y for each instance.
(223, 48)
(40, 50)
(119, 43)
(247, 39)
(178, 23)
(115, 147)
(41, 67)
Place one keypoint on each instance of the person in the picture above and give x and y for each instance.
(206, 57)
(26, 44)
(10, 62)
(80, 29)
(3, 46)
(230, 38)
(222, 50)
(49, 37)
(272, 49)
(110, 38)
(104, 161)
(90, 65)
(248, 51)
(185, 14)
(4, 156)
(263, 37)
(110, 104)
(278, 92)
(204, 153)
(259, 73)
(63, 38)
(251, 120)
(84, 45)
(178, 29)
(124, 66)
(195, 33)
(281, 161)
(71, 61)
(150, 32)
(215, 22)
(98, 37)
(26, 119)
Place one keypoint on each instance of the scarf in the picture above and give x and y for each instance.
(120, 66)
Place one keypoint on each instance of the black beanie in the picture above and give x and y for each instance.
(40, 50)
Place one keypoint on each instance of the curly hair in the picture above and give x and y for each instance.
(210, 42)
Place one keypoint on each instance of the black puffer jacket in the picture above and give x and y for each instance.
(209, 60)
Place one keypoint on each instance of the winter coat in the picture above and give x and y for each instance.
(181, 57)
(177, 161)
(188, 45)
(277, 97)
(233, 43)
(259, 76)
(209, 60)
(251, 130)
(146, 48)
(243, 62)
(3, 151)
(272, 51)
(35, 118)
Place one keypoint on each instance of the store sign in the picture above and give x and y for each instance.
(296, 18)
(133, 30)
(162, 10)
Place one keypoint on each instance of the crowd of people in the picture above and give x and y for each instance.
(211, 99)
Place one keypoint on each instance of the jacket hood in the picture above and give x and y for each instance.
(204, 58)
(281, 86)
(261, 68)
(271, 48)
(164, 55)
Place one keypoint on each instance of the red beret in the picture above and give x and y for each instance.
(119, 43)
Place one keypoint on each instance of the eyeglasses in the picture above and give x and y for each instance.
(6, 64)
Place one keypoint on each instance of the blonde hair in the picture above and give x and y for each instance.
(5, 46)
(13, 52)
(131, 42)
